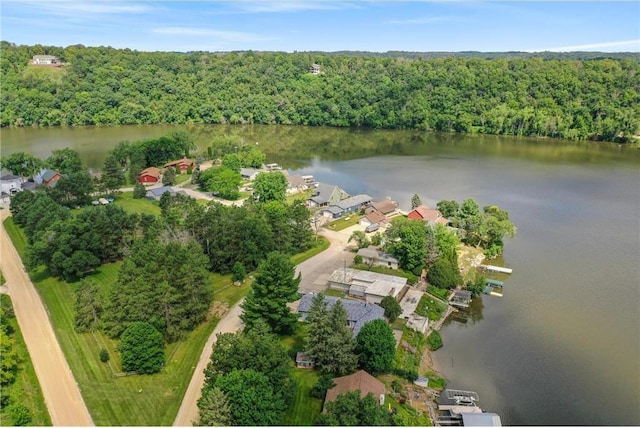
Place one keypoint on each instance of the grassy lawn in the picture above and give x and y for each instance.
(138, 206)
(334, 293)
(322, 244)
(344, 222)
(181, 178)
(17, 237)
(305, 409)
(126, 400)
(406, 358)
(25, 389)
(429, 307)
(301, 195)
(2, 279)
(442, 293)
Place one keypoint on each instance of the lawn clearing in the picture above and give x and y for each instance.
(25, 389)
(344, 222)
(321, 244)
(137, 206)
(305, 409)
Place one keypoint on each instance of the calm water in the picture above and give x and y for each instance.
(562, 347)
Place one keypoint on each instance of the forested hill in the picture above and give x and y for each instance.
(576, 99)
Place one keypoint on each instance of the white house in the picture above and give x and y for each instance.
(45, 59)
(367, 285)
(10, 184)
(375, 256)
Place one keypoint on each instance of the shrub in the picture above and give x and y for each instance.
(444, 273)
(357, 260)
(139, 191)
(142, 348)
(238, 272)
(104, 355)
(20, 415)
(392, 309)
(434, 340)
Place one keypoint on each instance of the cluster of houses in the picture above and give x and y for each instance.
(11, 184)
(152, 174)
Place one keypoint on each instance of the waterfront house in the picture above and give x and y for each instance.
(461, 298)
(373, 216)
(369, 286)
(249, 173)
(386, 207)
(149, 175)
(358, 312)
(427, 215)
(325, 195)
(376, 257)
(359, 381)
(295, 183)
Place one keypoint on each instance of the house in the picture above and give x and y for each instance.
(418, 323)
(358, 312)
(359, 381)
(10, 184)
(157, 193)
(45, 60)
(376, 257)
(181, 165)
(249, 173)
(296, 183)
(315, 69)
(47, 177)
(303, 362)
(427, 215)
(386, 207)
(461, 298)
(367, 285)
(326, 195)
(149, 175)
(271, 167)
(373, 216)
(346, 206)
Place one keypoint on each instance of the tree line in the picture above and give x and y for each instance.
(597, 99)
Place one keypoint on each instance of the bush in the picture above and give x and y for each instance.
(444, 273)
(405, 374)
(434, 340)
(324, 383)
(139, 191)
(392, 309)
(357, 260)
(238, 272)
(141, 348)
(104, 355)
(20, 415)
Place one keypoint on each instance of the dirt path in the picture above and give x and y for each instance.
(60, 390)
(188, 412)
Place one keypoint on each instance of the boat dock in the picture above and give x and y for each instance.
(494, 287)
(496, 268)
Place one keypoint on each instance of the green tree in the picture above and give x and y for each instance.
(251, 398)
(20, 415)
(406, 240)
(415, 201)
(238, 272)
(324, 383)
(361, 238)
(184, 140)
(222, 181)
(376, 347)
(9, 360)
(274, 286)
(65, 161)
(232, 161)
(270, 186)
(112, 174)
(350, 409)
(139, 191)
(72, 189)
(141, 349)
(88, 306)
(21, 164)
(169, 177)
(444, 273)
(392, 309)
(214, 408)
(330, 342)
(448, 209)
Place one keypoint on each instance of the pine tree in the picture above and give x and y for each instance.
(415, 201)
(275, 285)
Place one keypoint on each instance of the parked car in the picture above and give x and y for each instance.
(372, 227)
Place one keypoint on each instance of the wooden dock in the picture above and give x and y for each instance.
(496, 268)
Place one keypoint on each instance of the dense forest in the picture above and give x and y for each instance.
(597, 99)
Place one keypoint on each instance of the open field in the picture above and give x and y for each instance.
(25, 390)
(138, 206)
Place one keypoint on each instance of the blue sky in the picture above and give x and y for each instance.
(325, 25)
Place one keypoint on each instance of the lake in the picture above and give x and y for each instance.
(562, 347)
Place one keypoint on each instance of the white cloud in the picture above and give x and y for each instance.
(230, 36)
(291, 5)
(634, 45)
(74, 7)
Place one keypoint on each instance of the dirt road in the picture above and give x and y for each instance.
(188, 412)
(60, 390)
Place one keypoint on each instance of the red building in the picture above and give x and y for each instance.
(181, 165)
(427, 214)
(149, 175)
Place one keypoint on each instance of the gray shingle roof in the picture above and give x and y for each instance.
(158, 191)
(358, 312)
(376, 253)
(354, 200)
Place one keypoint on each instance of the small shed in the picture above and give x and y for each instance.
(304, 362)
(461, 298)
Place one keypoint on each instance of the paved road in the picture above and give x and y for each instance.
(60, 390)
(320, 265)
